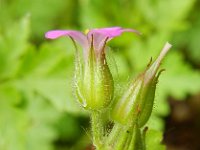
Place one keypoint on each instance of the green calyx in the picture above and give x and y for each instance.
(136, 105)
(94, 84)
(123, 110)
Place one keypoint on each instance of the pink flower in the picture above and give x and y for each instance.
(93, 82)
(96, 38)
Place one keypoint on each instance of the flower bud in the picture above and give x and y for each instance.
(136, 104)
(124, 108)
(93, 82)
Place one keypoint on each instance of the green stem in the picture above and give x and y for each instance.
(97, 129)
(119, 137)
(122, 139)
(116, 130)
(136, 142)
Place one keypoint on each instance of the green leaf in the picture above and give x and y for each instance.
(13, 44)
(153, 140)
(44, 15)
(157, 13)
(35, 88)
(23, 124)
(49, 73)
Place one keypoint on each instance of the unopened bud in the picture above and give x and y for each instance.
(136, 104)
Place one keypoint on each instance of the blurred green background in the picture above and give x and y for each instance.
(37, 108)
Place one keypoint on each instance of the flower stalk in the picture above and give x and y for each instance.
(97, 129)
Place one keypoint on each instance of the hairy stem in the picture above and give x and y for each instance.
(97, 129)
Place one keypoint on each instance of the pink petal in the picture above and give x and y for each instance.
(101, 36)
(77, 36)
